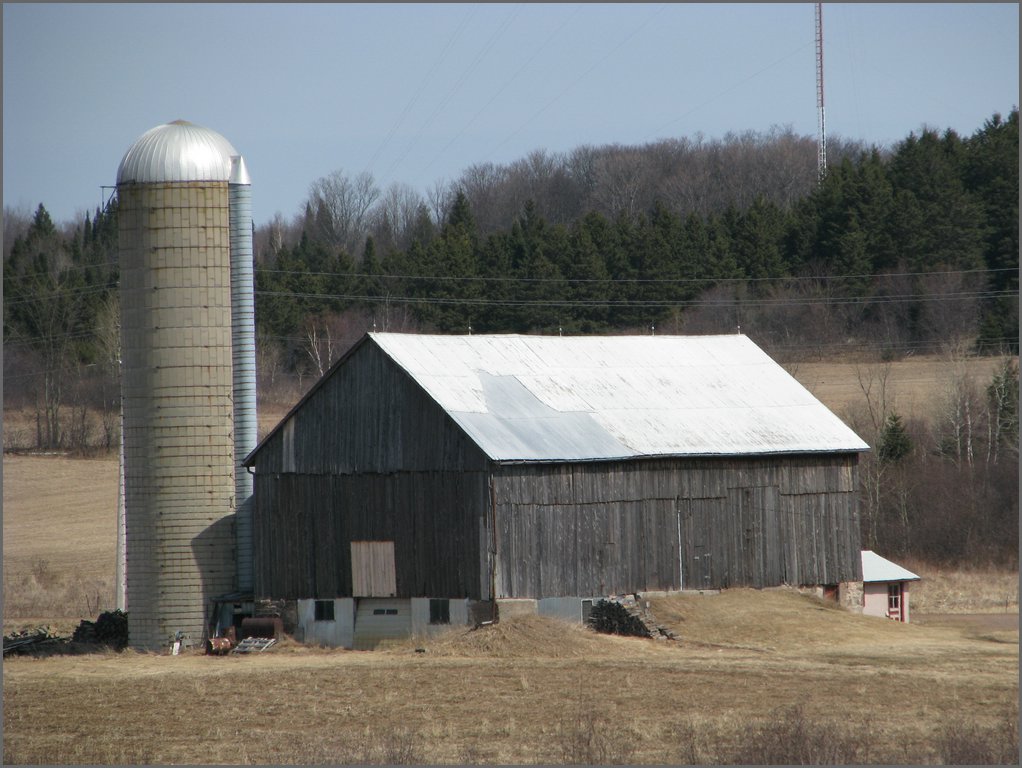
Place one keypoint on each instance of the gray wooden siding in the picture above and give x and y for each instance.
(303, 526)
(600, 528)
(368, 415)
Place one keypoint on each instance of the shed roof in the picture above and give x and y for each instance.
(876, 568)
(554, 398)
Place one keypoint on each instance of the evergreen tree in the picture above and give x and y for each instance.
(991, 174)
(47, 306)
(895, 444)
(948, 226)
(585, 268)
(756, 238)
(534, 247)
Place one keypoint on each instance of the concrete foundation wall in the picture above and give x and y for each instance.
(567, 608)
(339, 633)
(421, 627)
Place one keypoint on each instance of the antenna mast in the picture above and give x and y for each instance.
(821, 154)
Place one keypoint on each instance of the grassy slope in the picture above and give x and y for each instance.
(517, 692)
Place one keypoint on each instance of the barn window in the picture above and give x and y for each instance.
(439, 611)
(324, 610)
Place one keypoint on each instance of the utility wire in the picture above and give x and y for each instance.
(659, 303)
(422, 87)
(502, 88)
(655, 280)
(442, 104)
(726, 91)
(823, 279)
(577, 80)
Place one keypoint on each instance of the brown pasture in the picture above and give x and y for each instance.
(517, 692)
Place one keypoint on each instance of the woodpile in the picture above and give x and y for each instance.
(31, 640)
(627, 615)
(110, 628)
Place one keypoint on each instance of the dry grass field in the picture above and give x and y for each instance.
(756, 673)
(536, 690)
(915, 384)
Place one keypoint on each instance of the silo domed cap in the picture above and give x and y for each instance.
(177, 151)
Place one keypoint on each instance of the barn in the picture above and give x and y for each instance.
(428, 480)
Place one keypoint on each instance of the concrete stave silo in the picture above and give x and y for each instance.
(177, 379)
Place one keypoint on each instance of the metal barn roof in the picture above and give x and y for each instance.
(876, 568)
(177, 151)
(552, 398)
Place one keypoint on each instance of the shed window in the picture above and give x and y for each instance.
(439, 611)
(894, 598)
(324, 610)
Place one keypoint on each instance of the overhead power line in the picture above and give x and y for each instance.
(655, 280)
(648, 304)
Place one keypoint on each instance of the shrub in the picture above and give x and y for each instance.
(794, 739)
(587, 740)
(967, 743)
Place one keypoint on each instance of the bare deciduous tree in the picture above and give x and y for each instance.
(873, 382)
(340, 207)
(393, 217)
(960, 411)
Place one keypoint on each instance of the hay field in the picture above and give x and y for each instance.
(916, 385)
(60, 536)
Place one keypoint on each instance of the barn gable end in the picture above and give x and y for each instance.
(366, 456)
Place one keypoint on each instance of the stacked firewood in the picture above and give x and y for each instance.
(110, 628)
(627, 616)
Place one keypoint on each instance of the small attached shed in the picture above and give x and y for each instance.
(885, 587)
(427, 479)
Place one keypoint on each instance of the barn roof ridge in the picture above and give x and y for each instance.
(528, 398)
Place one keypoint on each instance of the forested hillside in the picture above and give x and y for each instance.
(900, 251)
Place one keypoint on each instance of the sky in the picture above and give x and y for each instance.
(416, 93)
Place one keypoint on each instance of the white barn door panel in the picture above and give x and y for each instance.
(372, 569)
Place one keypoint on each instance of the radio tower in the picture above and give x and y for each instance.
(821, 154)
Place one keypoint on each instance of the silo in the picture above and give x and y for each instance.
(176, 353)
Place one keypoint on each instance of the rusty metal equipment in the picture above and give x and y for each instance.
(262, 626)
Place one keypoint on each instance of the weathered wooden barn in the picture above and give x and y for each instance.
(425, 479)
